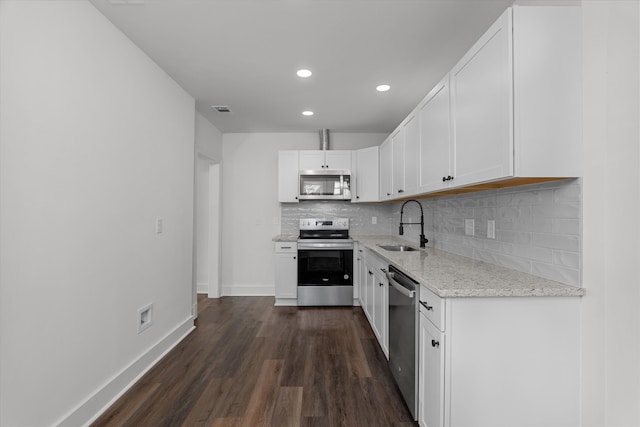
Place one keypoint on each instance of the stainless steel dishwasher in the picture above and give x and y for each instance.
(403, 335)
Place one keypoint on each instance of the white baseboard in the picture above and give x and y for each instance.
(203, 288)
(101, 400)
(249, 290)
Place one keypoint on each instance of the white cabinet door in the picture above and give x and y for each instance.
(386, 168)
(286, 275)
(311, 160)
(436, 150)
(397, 171)
(431, 375)
(338, 159)
(356, 272)
(329, 159)
(362, 277)
(366, 171)
(411, 155)
(370, 291)
(482, 107)
(288, 176)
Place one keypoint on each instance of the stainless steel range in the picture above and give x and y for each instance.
(325, 262)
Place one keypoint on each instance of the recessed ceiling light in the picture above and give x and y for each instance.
(304, 73)
(307, 113)
(383, 88)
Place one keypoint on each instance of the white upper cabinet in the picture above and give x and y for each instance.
(516, 98)
(481, 102)
(386, 169)
(365, 174)
(411, 154)
(436, 150)
(325, 159)
(397, 155)
(404, 152)
(288, 176)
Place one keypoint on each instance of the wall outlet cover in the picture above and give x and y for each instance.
(469, 227)
(491, 229)
(374, 220)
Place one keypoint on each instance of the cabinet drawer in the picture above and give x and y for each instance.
(286, 247)
(433, 307)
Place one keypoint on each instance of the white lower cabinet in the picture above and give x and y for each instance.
(507, 361)
(286, 274)
(381, 310)
(374, 296)
(431, 375)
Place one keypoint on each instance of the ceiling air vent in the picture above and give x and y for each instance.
(221, 108)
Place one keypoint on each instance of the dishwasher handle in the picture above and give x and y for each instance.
(404, 291)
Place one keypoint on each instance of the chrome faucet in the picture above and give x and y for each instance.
(423, 239)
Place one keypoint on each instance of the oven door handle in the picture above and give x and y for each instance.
(325, 246)
(404, 291)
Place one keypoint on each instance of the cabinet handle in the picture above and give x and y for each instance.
(294, 257)
(383, 270)
(296, 197)
(428, 307)
(401, 191)
(388, 194)
(370, 273)
(359, 250)
(435, 343)
(380, 284)
(357, 197)
(285, 247)
(444, 179)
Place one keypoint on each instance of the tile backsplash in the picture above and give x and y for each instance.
(537, 227)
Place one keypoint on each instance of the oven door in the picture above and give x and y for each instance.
(325, 276)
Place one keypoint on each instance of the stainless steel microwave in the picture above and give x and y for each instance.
(325, 185)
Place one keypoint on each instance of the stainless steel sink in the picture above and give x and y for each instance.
(398, 248)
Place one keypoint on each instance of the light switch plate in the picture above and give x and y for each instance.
(469, 227)
(491, 229)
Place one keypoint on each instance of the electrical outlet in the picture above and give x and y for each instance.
(469, 227)
(374, 220)
(491, 229)
(145, 317)
(158, 225)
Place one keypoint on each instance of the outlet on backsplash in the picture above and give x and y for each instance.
(469, 227)
(374, 220)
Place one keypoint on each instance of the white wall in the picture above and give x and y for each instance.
(611, 208)
(250, 208)
(208, 152)
(208, 139)
(96, 142)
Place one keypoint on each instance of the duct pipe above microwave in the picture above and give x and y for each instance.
(324, 139)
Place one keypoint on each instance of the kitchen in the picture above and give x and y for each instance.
(609, 237)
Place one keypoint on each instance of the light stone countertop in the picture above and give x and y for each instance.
(285, 238)
(449, 275)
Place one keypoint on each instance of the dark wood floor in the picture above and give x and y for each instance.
(251, 364)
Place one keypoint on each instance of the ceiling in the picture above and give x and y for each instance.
(244, 54)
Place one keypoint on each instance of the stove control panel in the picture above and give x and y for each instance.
(324, 224)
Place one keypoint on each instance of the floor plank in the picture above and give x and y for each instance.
(249, 363)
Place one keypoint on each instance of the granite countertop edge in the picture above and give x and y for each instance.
(285, 238)
(450, 275)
